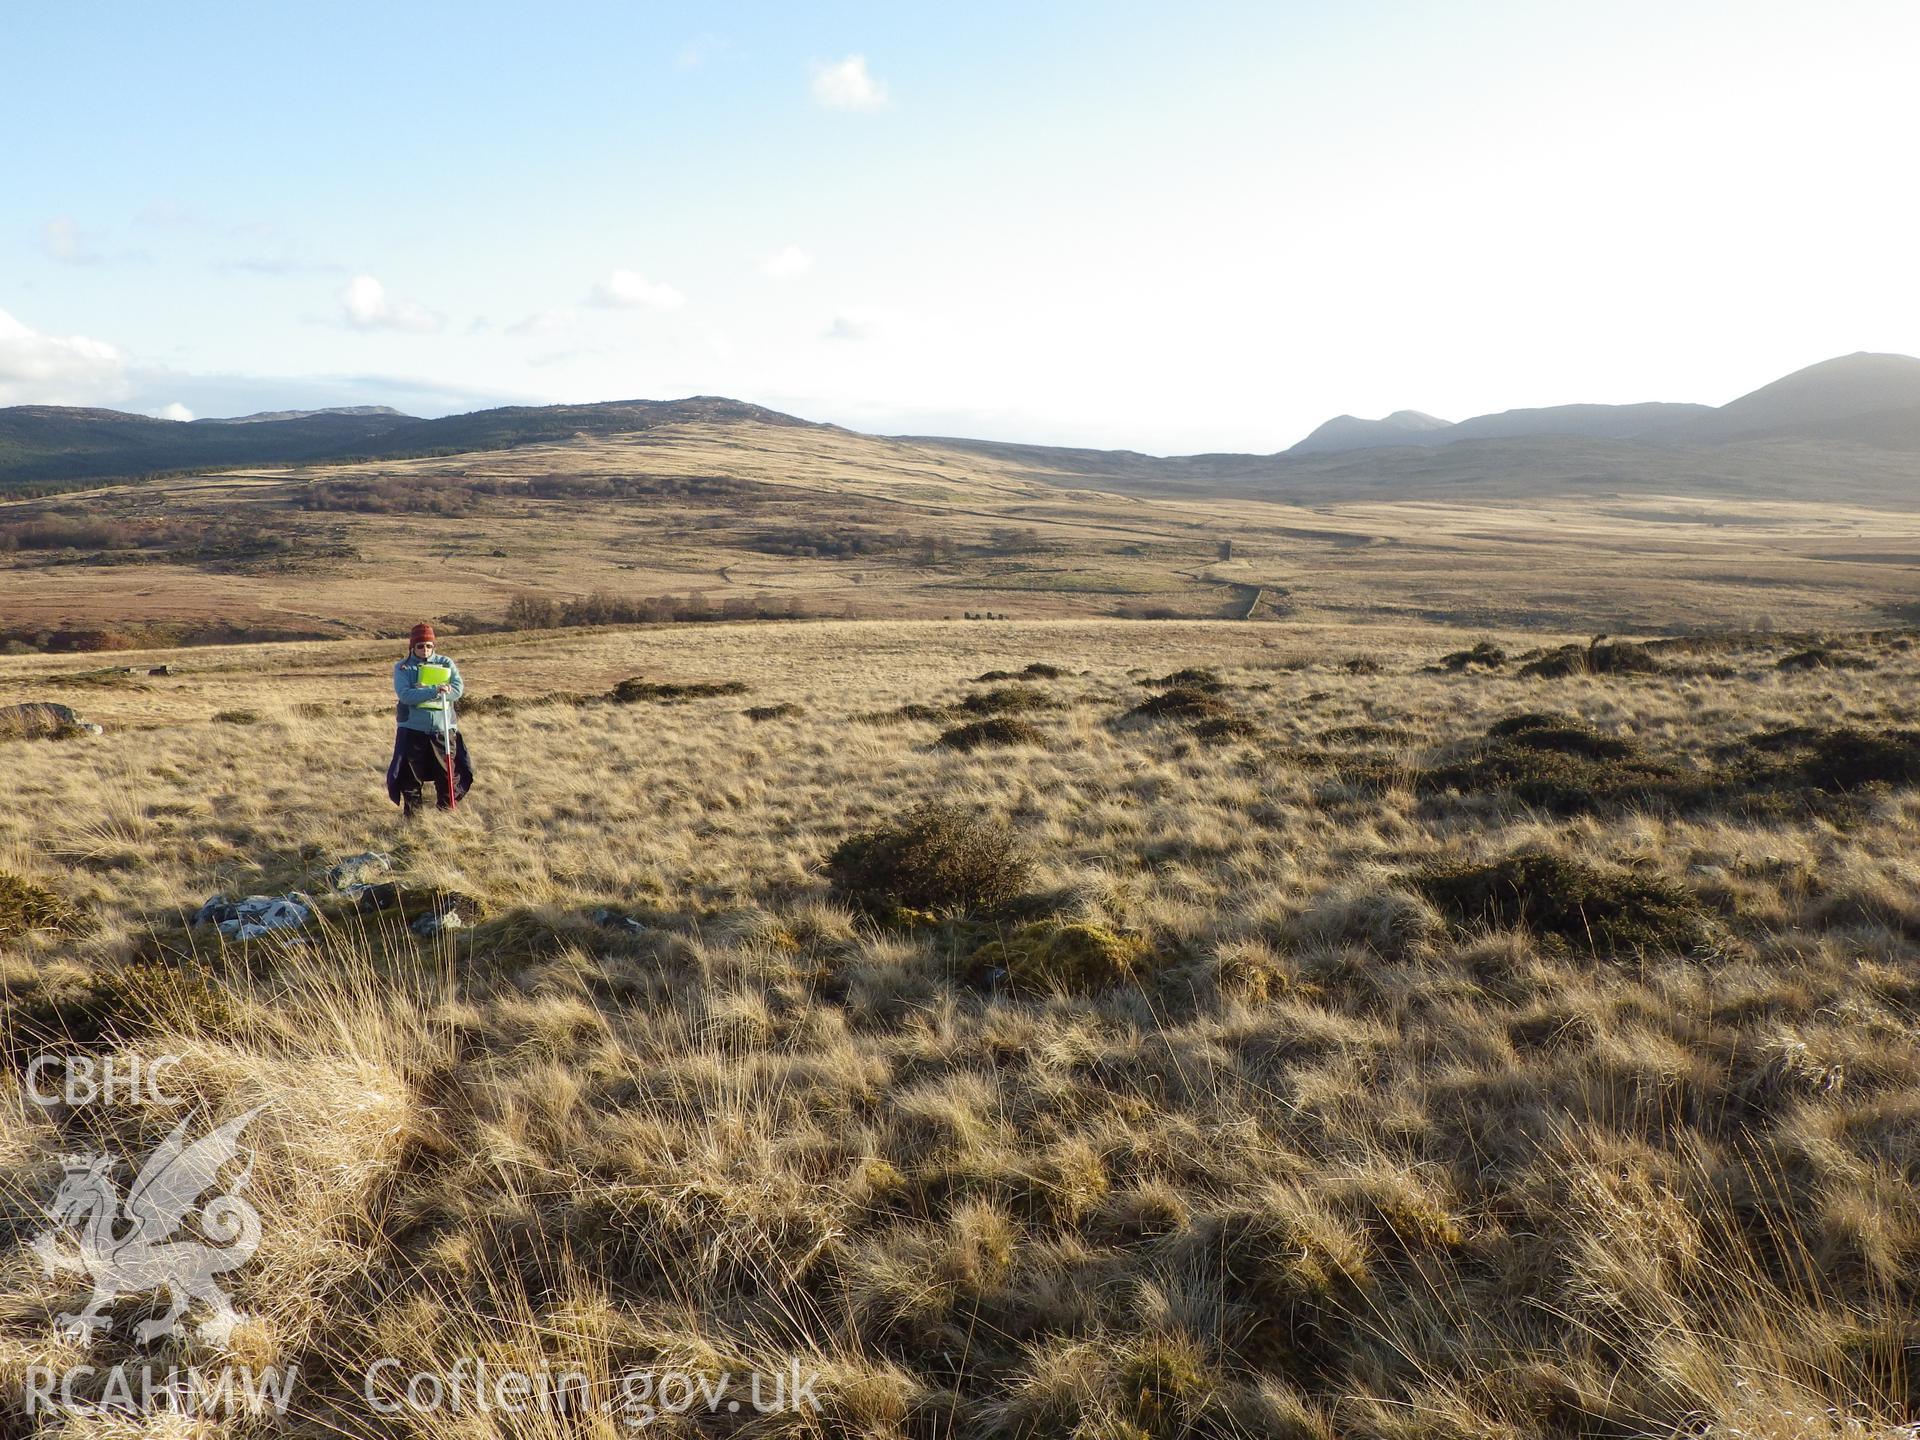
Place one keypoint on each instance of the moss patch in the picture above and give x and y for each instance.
(1052, 955)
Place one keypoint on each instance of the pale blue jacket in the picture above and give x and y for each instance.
(412, 694)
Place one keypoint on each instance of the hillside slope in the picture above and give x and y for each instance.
(745, 518)
(48, 446)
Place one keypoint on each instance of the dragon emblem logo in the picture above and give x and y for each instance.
(143, 1243)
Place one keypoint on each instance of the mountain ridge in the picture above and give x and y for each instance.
(1864, 402)
(49, 447)
(1813, 400)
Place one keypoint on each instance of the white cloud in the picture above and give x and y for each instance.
(629, 290)
(543, 322)
(846, 85)
(367, 306)
(56, 370)
(279, 265)
(786, 263)
(167, 214)
(60, 237)
(173, 411)
(697, 51)
(853, 325)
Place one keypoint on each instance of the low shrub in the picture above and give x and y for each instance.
(59, 1009)
(1219, 729)
(1193, 677)
(635, 689)
(1039, 670)
(786, 709)
(1557, 763)
(236, 717)
(1569, 901)
(1821, 657)
(1619, 657)
(1182, 702)
(1486, 655)
(936, 858)
(999, 730)
(26, 906)
(1367, 734)
(1009, 700)
(1532, 720)
(1843, 757)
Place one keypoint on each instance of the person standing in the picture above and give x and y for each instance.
(427, 746)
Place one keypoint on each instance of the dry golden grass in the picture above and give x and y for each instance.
(1310, 1159)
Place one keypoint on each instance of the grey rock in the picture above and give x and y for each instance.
(610, 919)
(257, 915)
(355, 873)
(436, 922)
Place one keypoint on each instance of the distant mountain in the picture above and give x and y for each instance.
(1848, 427)
(1651, 421)
(1864, 398)
(51, 447)
(1821, 399)
(380, 411)
(1350, 432)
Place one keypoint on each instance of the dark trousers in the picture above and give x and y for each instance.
(422, 762)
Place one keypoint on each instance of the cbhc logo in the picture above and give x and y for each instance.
(81, 1080)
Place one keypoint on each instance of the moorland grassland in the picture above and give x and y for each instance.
(756, 520)
(1242, 1030)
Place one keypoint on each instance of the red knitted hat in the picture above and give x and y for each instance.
(422, 631)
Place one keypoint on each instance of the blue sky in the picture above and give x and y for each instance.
(1167, 228)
